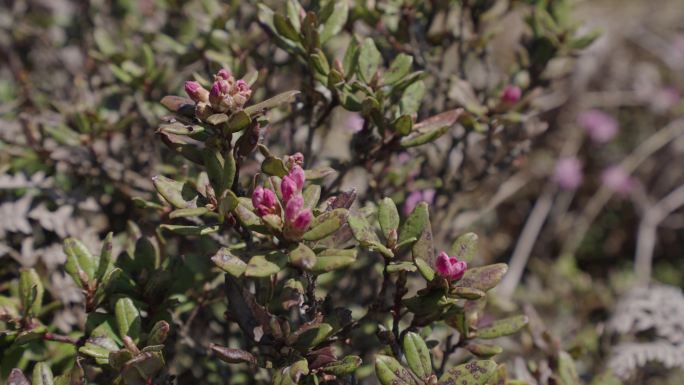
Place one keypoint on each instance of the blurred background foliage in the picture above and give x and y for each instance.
(80, 84)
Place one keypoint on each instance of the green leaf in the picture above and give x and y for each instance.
(401, 266)
(415, 223)
(220, 169)
(127, 318)
(178, 103)
(320, 62)
(311, 195)
(388, 216)
(274, 166)
(483, 278)
(312, 336)
(399, 68)
(365, 234)
(285, 28)
(417, 355)
(335, 22)
(471, 373)
(233, 356)
(333, 259)
(173, 192)
(412, 98)
(31, 291)
(259, 266)
(369, 60)
(348, 365)
(158, 334)
(351, 57)
(483, 350)
(302, 257)
(465, 247)
(424, 269)
(309, 29)
(567, 370)
(390, 372)
(467, 292)
(42, 374)
(99, 349)
(503, 327)
(80, 264)
(190, 230)
(294, 9)
(105, 264)
(216, 119)
(191, 212)
(403, 125)
(260, 108)
(326, 224)
(238, 121)
(178, 128)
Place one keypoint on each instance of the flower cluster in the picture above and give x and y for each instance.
(450, 267)
(297, 218)
(226, 94)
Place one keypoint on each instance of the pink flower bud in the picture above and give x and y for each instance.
(511, 94)
(618, 180)
(242, 87)
(257, 196)
(302, 221)
(297, 174)
(600, 126)
(196, 92)
(297, 158)
(264, 201)
(288, 188)
(293, 208)
(450, 267)
(224, 74)
(568, 173)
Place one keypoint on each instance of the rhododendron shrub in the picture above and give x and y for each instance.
(255, 261)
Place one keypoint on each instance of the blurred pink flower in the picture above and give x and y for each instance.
(196, 92)
(600, 126)
(354, 122)
(665, 99)
(511, 94)
(568, 173)
(450, 267)
(427, 195)
(618, 180)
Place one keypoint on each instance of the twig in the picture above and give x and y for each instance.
(647, 236)
(526, 242)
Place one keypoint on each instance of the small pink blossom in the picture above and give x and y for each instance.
(511, 94)
(302, 221)
(297, 174)
(224, 74)
(568, 173)
(600, 126)
(296, 216)
(288, 188)
(427, 195)
(450, 267)
(264, 201)
(618, 180)
(297, 158)
(196, 92)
